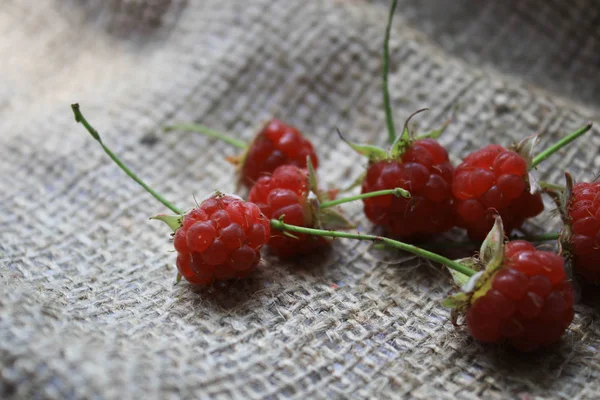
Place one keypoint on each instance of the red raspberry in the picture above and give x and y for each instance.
(277, 144)
(584, 215)
(425, 171)
(220, 240)
(493, 178)
(529, 301)
(286, 193)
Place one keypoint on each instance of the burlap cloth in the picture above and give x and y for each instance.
(88, 308)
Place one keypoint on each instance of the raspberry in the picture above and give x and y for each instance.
(529, 302)
(425, 171)
(220, 240)
(277, 144)
(493, 178)
(286, 193)
(584, 215)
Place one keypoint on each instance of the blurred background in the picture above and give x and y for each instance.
(553, 44)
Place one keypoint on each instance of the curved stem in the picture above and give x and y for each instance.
(281, 226)
(81, 119)
(385, 70)
(545, 237)
(560, 144)
(206, 131)
(398, 192)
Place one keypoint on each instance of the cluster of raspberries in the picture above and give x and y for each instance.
(529, 302)
(519, 295)
(490, 181)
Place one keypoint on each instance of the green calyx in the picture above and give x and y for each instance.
(563, 200)
(322, 217)
(173, 221)
(321, 206)
(400, 144)
(488, 263)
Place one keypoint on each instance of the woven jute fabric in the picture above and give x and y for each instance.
(88, 305)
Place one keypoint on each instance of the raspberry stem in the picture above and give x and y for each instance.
(206, 131)
(398, 192)
(560, 144)
(281, 226)
(81, 119)
(545, 237)
(385, 70)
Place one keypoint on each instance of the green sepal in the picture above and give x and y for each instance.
(403, 141)
(526, 149)
(492, 256)
(290, 235)
(457, 301)
(567, 194)
(327, 218)
(566, 233)
(373, 153)
(286, 233)
(491, 253)
(435, 134)
(174, 221)
(313, 182)
(178, 278)
(459, 278)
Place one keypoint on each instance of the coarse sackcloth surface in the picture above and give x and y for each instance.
(88, 308)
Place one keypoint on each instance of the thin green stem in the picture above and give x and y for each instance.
(281, 226)
(545, 237)
(81, 119)
(206, 131)
(560, 144)
(398, 192)
(385, 71)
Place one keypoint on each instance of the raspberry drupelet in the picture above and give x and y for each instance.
(286, 192)
(528, 301)
(584, 218)
(426, 172)
(220, 240)
(277, 144)
(492, 180)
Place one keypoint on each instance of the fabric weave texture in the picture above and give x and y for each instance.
(88, 305)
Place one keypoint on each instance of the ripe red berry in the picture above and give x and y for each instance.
(277, 144)
(425, 171)
(584, 215)
(492, 180)
(286, 193)
(220, 240)
(529, 302)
